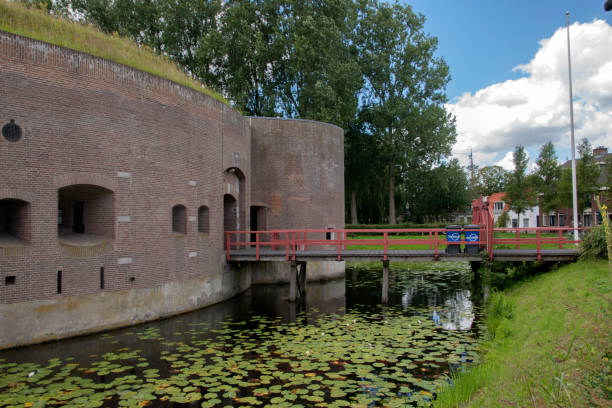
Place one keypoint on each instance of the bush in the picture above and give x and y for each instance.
(503, 220)
(594, 244)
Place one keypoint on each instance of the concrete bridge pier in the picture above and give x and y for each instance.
(385, 282)
(297, 281)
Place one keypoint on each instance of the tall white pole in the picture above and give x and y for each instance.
(574, 190)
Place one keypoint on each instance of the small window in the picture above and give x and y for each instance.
(498, 205)
(9, 280)
(514, 223)
(203, 220)
(179, 219)
(562, 220)
(552, 221)
(525, 222)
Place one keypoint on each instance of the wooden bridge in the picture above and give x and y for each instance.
(478, 242)
(367, 245)
(475, 243)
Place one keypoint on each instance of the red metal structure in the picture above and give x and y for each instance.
(514, 244)
(383, 244)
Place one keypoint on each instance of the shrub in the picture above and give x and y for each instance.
(503, 220)
(594, 244)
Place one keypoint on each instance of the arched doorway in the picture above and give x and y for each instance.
(234, 199)
(231, 214)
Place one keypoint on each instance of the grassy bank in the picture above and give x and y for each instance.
(552, 344)
(29, 22)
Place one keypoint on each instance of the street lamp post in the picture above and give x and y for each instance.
(574, 190)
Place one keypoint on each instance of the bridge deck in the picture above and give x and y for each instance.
(402, 255)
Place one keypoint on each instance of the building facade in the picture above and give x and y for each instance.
(118, 185)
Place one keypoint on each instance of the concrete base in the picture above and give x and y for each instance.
(35, 322)
(267, 273)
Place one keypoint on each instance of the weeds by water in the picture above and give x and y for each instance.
(498, 312)
(551, 348)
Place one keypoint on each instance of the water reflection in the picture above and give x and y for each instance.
(338, 344)
(446, 293)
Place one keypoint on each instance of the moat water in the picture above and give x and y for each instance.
(340, 347)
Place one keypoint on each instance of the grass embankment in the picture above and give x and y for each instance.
(33, 23)
(551, 344)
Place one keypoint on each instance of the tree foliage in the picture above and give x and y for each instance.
(547, 177)
(519, 192)
(404, 93)
(587, 174)
(491, 179)
(365, 65)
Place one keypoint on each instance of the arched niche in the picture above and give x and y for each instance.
(179, 219)
(15, 222)
(85, 214)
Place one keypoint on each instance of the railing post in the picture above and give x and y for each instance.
(257, 245)
(339, 244)
(560, 239)
(293, 244)
(227, 246)
(538, 244)
(287, 243)
(385, 245)
(430, 244)
(436, 246)
(518, 246)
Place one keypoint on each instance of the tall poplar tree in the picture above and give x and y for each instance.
(519, 193)
(404, 91)
(547, 178)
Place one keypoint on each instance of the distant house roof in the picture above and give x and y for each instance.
(496, 197)
(601, 157)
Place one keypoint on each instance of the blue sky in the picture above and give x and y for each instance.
(483, 42)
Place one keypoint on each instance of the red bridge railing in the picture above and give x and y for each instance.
(343, 240)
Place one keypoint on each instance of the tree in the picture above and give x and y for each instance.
(503, 220)
(404, 92)
(587, 173)
(246, 53)
(442, 190)
(519, 192)
(361, 161)
(491, 179)
(547, 177)
(320, 75)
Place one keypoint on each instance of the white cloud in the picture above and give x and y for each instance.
(534, 109)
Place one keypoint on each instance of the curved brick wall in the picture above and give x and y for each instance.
(298, 167)
(108, 143)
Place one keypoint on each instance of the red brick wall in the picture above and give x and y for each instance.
(151, 142)
(298, 168)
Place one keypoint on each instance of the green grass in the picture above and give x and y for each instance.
(552, 345)
(29, 22)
